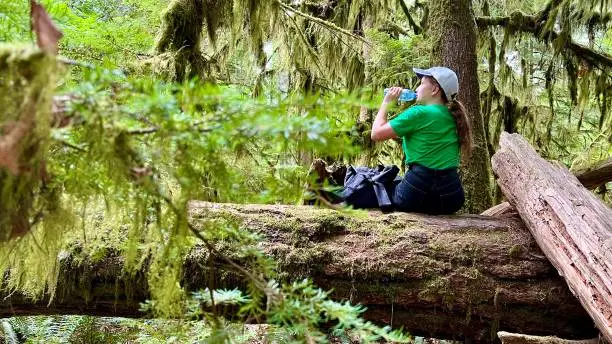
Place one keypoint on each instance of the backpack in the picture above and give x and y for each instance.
(366, 187)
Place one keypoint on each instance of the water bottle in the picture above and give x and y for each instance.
(406, 95)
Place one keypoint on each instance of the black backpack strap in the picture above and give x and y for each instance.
(386, 176)
(381, 195)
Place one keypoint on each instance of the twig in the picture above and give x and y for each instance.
(323, 23)
(70, 145)
(143, 131)
(260, 284)
(71, 62)
(152, 130)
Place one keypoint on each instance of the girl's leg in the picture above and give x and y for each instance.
(410, 194)
(450, 193)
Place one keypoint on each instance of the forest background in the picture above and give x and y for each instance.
(230, 101)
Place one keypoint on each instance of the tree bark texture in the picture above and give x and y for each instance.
(590, 178)
(444, 276)
(571, 226)
(453, 29)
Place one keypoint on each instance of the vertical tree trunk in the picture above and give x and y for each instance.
(453, 29)
(366, 116)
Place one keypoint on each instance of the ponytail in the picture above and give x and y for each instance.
(462, 122)
(464, 128)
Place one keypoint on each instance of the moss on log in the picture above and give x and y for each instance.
(444, 276)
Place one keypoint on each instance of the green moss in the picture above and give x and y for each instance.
(27, 81)
(178, 46)
(515, 251)
(438, 288)
(298, 263)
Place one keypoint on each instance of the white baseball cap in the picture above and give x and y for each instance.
(446, 78)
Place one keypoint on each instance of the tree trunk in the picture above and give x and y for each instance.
(453, 29)
(571, 226)
(444, 276)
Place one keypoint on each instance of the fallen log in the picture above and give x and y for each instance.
(597, 175)
(571, 226)
(503, 209)
(438, 276)
(590, 178)
(516, 338)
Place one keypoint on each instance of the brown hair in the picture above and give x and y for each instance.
(462, 121)
(464, 128)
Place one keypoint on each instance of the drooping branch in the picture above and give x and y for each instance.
(324, 23)
(416, 27)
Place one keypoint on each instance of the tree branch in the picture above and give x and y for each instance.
(328, 25)
(520, 22)
(416, 27)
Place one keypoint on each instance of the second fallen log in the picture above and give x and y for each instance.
(571, 226)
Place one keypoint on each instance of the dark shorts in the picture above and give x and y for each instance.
(429, 191)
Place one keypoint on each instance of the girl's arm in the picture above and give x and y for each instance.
(381, 130)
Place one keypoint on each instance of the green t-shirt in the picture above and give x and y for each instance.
(429, 136)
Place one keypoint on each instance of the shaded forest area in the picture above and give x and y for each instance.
(152, 154)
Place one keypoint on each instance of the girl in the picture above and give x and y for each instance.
(433, 132)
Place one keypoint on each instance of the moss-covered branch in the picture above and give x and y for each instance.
(520, 22)
(326, 24)
(416, 27)
(596, 175)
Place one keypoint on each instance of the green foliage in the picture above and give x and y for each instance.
(106, 33)
(307, 305)
(13, 21)
(66, 329)
(393, 59)
(134, 173)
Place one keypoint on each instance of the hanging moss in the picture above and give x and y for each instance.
(178, 47)
(602, 91)
(27, 80)
(181, 27)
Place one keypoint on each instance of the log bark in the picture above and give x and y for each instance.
(590, 178)
(445, 276)
(517, 338)
(503, 209)
(571, 226)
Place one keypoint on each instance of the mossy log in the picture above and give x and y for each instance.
(571, 226)
(440, 276)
